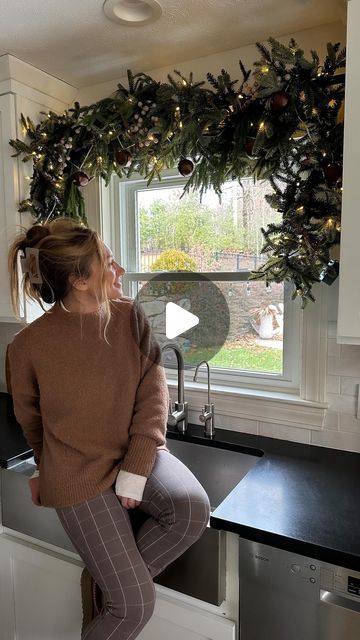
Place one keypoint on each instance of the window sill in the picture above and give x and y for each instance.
(252, 404)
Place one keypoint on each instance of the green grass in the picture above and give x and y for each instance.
(252, 358)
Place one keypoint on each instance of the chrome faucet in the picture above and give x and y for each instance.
(179, 417)
(207, 413)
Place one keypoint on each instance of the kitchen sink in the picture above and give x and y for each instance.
(218, 470)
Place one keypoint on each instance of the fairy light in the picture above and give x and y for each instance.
(264, 69)
(262, 126)
(184, 83)
(314, 112)
(240, 96)
(180, 124)
(300, 210)
(44, 135)
(27, 177)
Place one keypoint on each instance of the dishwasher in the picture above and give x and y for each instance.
(285, 596)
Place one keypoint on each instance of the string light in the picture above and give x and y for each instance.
(264, 69)
(262, 126)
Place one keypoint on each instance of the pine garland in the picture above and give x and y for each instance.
(282, 122)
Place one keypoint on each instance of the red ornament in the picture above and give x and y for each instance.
(279, 101)
(123, 157)
(332, 172)
(80, 179)
(186, 167)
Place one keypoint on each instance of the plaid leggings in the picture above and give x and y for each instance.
(123, 563)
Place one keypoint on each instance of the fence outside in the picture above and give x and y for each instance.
(214, 261)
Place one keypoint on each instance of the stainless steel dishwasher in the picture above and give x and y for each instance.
(284, 596)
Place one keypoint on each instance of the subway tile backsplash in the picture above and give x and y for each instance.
(341, 429)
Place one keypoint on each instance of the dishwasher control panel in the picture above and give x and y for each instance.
(354, 585)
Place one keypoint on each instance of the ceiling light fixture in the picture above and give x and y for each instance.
(132, 12)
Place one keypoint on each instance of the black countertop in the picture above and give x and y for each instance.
(13, 446)
(296, 497)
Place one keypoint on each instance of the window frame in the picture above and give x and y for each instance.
(129, 250)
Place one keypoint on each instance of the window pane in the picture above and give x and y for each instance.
(215, 236)
(255, 338)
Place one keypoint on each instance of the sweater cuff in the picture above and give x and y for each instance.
(140, 456)
(130, 485)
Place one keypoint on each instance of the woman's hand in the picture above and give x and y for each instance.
(34, 484)
(128, 503)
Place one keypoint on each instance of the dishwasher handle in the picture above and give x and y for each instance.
(329, 597)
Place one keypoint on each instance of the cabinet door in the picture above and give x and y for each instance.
(45, 594)
(178, 620)
(9, 197)
(349, 291)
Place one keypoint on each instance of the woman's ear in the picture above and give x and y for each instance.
(81, 284)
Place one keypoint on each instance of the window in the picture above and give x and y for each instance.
(162, 228)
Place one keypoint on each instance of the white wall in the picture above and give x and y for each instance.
(309, 39)
(341, 427)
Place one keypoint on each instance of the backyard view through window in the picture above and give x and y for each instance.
(210, 236)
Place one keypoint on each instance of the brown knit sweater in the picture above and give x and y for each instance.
(88, 409)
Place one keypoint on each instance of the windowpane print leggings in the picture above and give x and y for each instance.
(123, 564)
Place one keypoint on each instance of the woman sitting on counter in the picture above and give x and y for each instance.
(91, 397)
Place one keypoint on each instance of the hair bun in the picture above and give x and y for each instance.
(36, 233)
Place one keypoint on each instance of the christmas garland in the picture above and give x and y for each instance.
(282, 122)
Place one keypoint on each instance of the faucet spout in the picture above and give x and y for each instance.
(179, 417)
(180, 368)
(208, 372)
(207, 413)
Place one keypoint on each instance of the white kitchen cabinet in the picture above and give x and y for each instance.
(40, 600)
(40, 594)
(23, 89)
(176, 620)
(349, 290)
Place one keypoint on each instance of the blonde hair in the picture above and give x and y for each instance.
(66, 248)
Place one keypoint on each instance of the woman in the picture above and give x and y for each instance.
(91, 398)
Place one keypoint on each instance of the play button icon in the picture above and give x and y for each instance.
(178, 320)
(187, 308)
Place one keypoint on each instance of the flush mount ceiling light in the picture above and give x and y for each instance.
(132, 12)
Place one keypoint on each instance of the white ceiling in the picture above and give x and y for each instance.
(74, 41)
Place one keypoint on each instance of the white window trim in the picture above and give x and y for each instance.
(305, 409)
